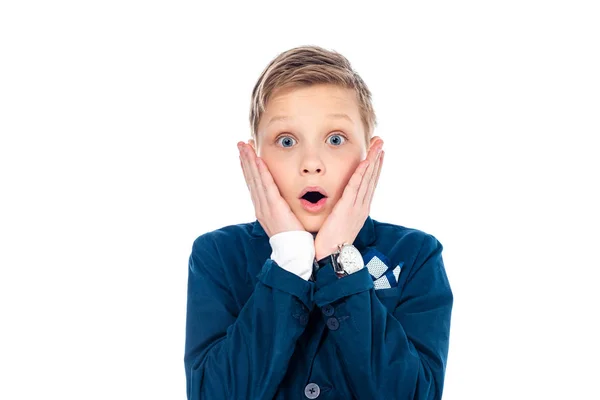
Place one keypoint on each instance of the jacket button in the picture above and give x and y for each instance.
(328, 310)
(333, 323)
(312, 391)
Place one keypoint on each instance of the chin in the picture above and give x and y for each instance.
(312, 223)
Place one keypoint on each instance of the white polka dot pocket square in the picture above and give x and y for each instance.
(384, 275)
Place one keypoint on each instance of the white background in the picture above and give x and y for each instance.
(119, 122)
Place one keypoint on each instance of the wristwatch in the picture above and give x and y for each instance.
(345, 261)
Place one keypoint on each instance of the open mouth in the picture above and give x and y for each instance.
(313, 197)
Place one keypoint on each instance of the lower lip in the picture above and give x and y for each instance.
(313, 207)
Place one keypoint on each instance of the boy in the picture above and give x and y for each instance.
(315, 299)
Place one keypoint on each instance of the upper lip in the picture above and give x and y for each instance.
(313, 189)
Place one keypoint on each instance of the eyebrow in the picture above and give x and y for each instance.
(284, 118)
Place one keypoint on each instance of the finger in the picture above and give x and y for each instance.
(380, 167)
(271, 189)
(369, 174)
(374, 180)
(248, 176)
(366, 181)
(257, 184)
(351, 190)
(242, 164)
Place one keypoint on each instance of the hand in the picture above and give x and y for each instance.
(272, 211)
(350, 213)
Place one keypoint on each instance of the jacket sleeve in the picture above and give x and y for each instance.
(233, 353)
(400, 354)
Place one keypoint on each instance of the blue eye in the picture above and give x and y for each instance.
(337, 141)
(286, 138)
(288, 141)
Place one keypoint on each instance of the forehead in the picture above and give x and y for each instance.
(316, 103)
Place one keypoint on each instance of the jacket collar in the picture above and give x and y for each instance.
(365, 238)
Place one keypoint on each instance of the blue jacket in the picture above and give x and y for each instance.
(257, 331)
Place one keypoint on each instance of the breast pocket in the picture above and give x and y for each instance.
(390, 297)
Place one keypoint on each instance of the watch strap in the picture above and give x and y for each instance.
(331, 259)
(324, 261)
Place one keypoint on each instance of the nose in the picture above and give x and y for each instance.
(312, 164)
(311, 170)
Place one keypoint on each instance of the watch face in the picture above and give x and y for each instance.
(350, 259)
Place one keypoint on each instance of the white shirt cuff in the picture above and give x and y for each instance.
(294, 251)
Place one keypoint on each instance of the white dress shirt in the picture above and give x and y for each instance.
(294, 251)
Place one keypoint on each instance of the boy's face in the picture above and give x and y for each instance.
(310, 147)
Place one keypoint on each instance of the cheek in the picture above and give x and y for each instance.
(346, 170)
(277, 172)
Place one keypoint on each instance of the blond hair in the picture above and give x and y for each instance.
(305, 66)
